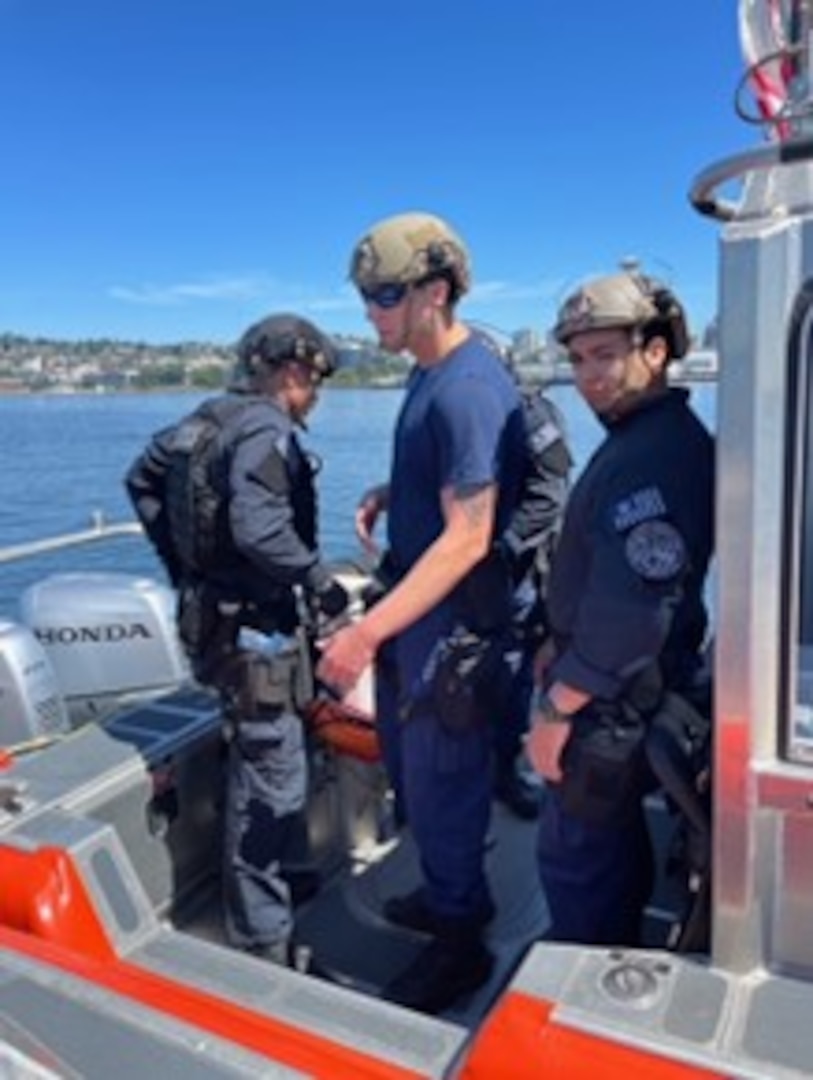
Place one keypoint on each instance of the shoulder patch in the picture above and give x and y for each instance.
(642, 505)
(655, 551)
(544, 437)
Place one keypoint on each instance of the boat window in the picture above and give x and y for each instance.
(800, 502)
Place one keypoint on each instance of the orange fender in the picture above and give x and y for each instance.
(42, 894)
(47, 914)
(521, 1040)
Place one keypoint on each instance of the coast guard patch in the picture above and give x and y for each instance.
(640, 506)
(655, 551)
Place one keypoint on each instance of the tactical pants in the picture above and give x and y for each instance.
(266, 778)
(596, 879)
(441, 779)
(510, 726)
(512, 722)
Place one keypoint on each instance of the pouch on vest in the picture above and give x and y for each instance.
(207, 628)
(255, 685)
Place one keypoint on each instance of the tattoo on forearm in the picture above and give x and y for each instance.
(477, 507)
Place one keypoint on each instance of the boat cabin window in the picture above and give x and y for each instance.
(800, 500)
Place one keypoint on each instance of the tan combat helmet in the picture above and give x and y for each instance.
(278, 339)
(409, 249)
(625, 300)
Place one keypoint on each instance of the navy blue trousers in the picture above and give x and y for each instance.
(596, 880)
(511, 724)
(441, 779)
(512, 721)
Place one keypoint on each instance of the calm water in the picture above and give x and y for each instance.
(64, 457)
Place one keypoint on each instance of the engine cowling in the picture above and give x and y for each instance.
(110, 638)
(31, 703)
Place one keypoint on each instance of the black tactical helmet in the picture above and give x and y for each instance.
(410, 248)
(278, 339)
(625, 300)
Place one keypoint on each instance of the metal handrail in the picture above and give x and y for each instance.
(99, 530)
(702, 190)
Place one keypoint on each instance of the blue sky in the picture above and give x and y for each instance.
(173, 169)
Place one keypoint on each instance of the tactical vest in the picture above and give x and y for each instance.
(195, 495)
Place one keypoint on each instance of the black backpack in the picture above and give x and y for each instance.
(178, 488)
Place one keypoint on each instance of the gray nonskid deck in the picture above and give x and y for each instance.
(350, 941)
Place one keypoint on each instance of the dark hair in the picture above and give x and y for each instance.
(448, 276)
(658, 328)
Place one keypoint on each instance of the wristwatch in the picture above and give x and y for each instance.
(545, 712)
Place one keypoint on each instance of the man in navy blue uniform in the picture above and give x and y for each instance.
(625, 605)
(237, 568)
(438, 634)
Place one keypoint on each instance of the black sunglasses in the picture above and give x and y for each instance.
(387, 295)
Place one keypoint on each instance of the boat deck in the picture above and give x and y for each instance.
(135, 800)
(344, 934)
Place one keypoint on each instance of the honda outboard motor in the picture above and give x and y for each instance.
(31, 706)
(110, 637)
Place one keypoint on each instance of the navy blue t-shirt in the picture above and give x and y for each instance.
(461, 426)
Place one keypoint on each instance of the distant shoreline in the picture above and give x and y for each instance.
(58, 393)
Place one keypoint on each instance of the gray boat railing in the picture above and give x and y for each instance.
(100, 530)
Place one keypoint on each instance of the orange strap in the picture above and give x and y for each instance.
(343, 730)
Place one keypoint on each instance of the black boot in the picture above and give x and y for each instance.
(453, 966)
(412, 913)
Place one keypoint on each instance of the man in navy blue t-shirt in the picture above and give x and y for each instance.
(457, 468)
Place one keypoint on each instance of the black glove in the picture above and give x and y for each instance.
(331, 600)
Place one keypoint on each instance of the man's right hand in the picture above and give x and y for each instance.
(345, 655)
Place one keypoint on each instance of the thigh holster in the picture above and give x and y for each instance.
(604, 766)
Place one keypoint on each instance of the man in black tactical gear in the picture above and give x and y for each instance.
(529, 543)
(625, 605)
(236, 528)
